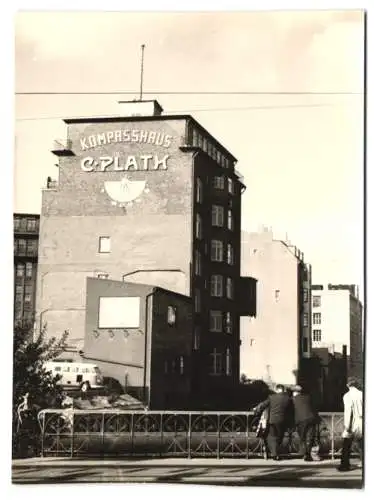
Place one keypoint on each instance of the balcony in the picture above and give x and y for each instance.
(62, 147)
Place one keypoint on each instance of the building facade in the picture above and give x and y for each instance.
(26, 238)
(141, 335)
(277, 341)
(150, 199)
(337, 322)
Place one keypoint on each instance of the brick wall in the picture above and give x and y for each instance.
(149, 234)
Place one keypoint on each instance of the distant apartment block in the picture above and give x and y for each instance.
(337, 322)
(278, 339)
(26, 240)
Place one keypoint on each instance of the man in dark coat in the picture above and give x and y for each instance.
(306, 420)
(280, 412)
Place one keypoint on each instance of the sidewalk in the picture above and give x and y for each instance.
(225, 471)
(157, 462)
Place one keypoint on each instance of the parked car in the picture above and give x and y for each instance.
(85, 376)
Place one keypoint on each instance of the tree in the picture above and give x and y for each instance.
(33, 387)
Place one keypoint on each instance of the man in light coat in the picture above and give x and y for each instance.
(352, 422)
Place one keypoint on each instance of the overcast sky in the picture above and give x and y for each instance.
(301, 155)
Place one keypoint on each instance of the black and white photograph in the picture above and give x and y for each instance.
(189, 289)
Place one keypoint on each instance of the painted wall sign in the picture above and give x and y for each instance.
(124, 163)
(116, 136)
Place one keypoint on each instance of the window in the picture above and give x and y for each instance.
(199, 190)
(215, 321)
(316, 301)
(28, 293)
(316, 318)
(305, 344)
(31, 225)
(219, 182)
(305, 295)
(32, 247)
(197, 263)
(28, 269)
(20, 270)
(104, 244)
(228, 322)
(305, 319)
(19, 293)
(216, 366)
(217, 215)
(230, 186)
(21, 244)
(197, 300)
(18, 314)
(216, 285)
(172, 315)
(276, 295)
(199, 227)
(228, 362)
(217, 250)
(229, 288)
(196, 339)
(103, 276)
(230, 254)
(317, 335)
(181, 365)
(17, 223)
(230, 222)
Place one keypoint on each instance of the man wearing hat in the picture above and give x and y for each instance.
(306, 420)
(352, 422)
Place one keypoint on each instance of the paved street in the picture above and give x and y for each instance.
(239, 472)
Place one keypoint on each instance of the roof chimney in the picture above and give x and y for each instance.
(140, 108)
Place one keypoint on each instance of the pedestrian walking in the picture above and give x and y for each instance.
(352, 434)
(306, 421)
(280, 408)
(262, 432)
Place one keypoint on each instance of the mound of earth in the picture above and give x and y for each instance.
(118, 402)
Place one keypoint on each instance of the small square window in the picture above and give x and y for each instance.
(196, 339)
(104, 244)
(219, 182)
(28, 269)
(305, 344)
(306, 320)
(172, 315)
(316, 301)
(20, 270)
(317, 335)
(316, 318)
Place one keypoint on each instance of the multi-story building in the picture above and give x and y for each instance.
(153, 199)
(276, 342)
(26, 237)
(337, 322)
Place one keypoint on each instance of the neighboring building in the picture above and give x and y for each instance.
(142, 336)
(276, 342)
(337, 322)
(26, 236)
(154, 199)
(332, 377)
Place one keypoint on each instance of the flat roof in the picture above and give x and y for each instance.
(116, 119)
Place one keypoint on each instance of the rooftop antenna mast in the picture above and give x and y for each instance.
(141, 73)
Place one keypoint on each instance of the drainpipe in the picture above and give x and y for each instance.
(146, 399)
